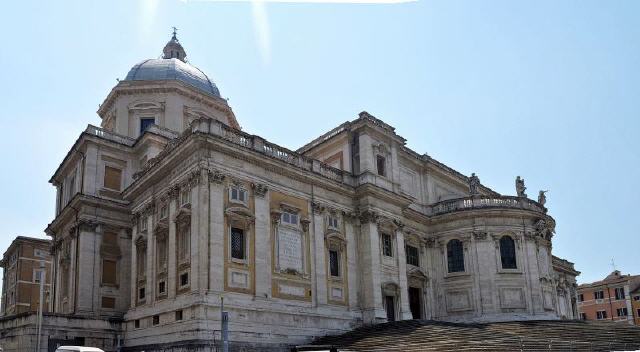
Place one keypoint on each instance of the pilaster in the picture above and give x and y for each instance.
(216, 224)
(352, 263)
(151, 248)
(372, 309)
(262, 242)
(319, 254)
(405, 311)
(171, 245)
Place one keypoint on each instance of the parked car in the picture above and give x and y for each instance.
(77, 349)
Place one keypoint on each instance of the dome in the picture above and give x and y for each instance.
(173, 69)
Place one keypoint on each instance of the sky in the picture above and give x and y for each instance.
(548, 90)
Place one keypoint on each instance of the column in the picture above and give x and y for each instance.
(352, 263)
(405, 311)
(134, 261)
(372, 309)
(319, 254)
(195, 231)
(171, 245)
(150, 286)
(203, 231)
(262, 241)
(216, 219)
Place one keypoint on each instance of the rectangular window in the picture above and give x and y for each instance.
(390, 307)
(109, 274)
(143, 223)
(380, 163)
(412, 254)
(636, 298)
(162, 254)
(162, 287)
(178, 315)
(581, 297)
(136, 324)
(141, 261)
(620, 293)
(237, 244)
(156, 319)
(184, 241)
(108, 302)
(622, 312)
(37, 275)
(333, 222)
(184, 279)
(238, 195)
(145, 122)
(112, 178)
(583, 316)
(334, 263)
(602, 314)
(387, 245)
(40, 253)
(289, 218)
(185, 197)
(141, 293)
(164, 211)
(598, 295)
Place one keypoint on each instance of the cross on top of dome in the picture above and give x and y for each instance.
(174, 49)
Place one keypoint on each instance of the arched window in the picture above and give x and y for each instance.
(455, 256)
(507, 252)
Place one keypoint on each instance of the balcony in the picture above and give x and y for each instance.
(484, 202)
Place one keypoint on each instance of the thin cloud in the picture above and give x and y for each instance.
(261, 20)
(314, 1)
(262, 30)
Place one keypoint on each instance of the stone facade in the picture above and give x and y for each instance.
(169, 207)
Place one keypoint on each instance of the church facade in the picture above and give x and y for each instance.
(169, 207)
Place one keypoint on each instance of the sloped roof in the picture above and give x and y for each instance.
(536, 335)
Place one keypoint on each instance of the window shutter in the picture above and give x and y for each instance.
(112, 178)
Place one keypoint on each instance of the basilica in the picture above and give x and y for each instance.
(169, 208)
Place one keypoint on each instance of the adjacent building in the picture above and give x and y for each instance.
(168, 207)
(635, 305)
(614, 298)
(25, 264)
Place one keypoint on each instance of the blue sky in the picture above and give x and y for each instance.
(548, 90)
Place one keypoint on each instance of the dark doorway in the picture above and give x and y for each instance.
(415, 302)
(390, 306)
(55, 343)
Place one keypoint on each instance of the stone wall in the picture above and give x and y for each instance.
(19, 333)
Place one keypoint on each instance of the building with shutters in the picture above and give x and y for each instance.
(168, 207)
(613, 298)
(24, 265)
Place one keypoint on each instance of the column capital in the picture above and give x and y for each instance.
(259, 189)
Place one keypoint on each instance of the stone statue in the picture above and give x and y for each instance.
(474, 183)
(542, 198)
(520, 188)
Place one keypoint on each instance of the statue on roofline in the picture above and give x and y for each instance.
(520, 188)
(474, 184)
(542, 198)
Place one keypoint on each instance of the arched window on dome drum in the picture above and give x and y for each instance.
(455, 256)
(507, 252)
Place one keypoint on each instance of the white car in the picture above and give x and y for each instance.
(77, 349)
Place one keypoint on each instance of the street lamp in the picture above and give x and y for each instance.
(43, 277)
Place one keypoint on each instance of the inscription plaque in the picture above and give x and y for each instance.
(289, 249)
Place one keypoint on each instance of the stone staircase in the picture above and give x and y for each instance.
(539, 335)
